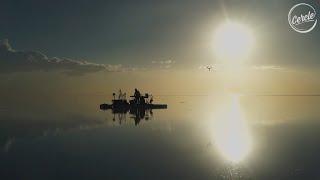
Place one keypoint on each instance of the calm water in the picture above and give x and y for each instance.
(197, 137)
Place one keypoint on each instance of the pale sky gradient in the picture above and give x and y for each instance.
(157, 46)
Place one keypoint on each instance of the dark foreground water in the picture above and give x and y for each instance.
(197, 137)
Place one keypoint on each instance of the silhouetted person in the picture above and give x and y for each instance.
(137, 95)
(120, 94)
(151, 99)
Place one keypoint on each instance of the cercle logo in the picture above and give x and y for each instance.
(302, 18)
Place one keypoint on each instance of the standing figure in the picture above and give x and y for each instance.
(137, 95)
(120, 94)
(151, 99)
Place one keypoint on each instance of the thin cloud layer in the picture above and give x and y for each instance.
(24, 61)
(164, 64)
(269, 68)
(219, 67)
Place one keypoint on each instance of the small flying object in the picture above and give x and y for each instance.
(209, 68)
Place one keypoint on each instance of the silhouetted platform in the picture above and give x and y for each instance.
(134, 106)
(138, 101)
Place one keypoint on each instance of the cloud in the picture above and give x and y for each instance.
(164, 64)
(268, 68)
(221, 67)
(24, 61)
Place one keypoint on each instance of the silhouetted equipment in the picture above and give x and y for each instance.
(139, 106)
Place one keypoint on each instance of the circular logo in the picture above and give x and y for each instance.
(302, 18)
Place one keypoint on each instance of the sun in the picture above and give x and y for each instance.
(233, 41)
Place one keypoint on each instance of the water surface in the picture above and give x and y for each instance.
(197, 137)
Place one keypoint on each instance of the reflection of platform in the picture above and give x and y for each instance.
(142, 112)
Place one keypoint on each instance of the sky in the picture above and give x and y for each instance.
(152, 44)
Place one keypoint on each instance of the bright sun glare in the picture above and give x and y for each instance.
(233, 41)
(231, 132)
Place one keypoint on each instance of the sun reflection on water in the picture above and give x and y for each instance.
(231, 133)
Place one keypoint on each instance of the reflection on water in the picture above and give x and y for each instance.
(231, 132)
(137, 114)
(209, 137)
